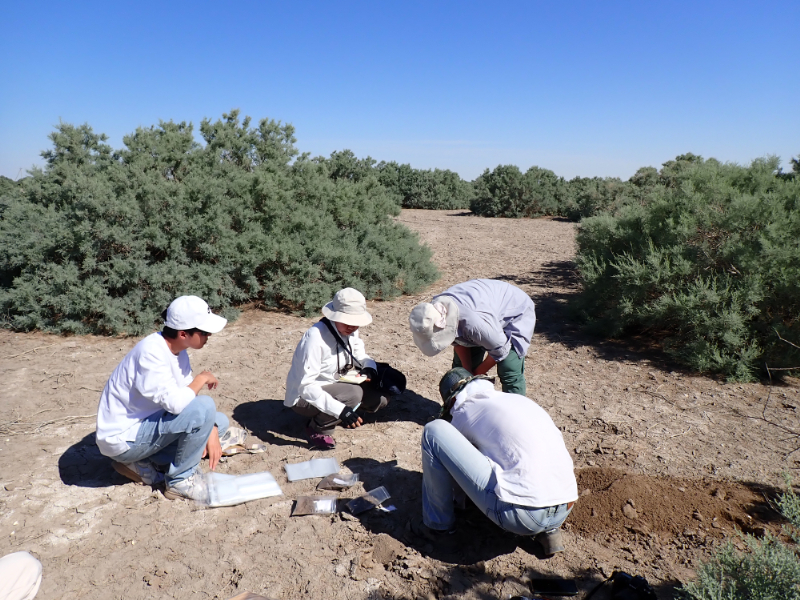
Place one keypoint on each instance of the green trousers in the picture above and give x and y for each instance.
(511, 371)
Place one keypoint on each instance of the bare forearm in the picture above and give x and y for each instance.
(465, 356)
(485, 366)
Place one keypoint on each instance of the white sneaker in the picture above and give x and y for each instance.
(142, 472)
(192, 488)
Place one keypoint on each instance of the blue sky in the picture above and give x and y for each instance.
(582, 88)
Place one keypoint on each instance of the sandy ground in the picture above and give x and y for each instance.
(669, 463)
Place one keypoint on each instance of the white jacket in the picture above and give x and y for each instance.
(525, 449)
(315, 365)
(148, 380)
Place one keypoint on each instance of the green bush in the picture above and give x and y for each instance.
(507, 192)
(435, 190)
(708, 261)
(410, 188)
(100, 241)
(589, 196)
(769, 570)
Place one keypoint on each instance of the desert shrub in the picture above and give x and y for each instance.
(435, 189)
(589, 196)
(708, 262)
(768, 570)
(101, 240)
(507, 192)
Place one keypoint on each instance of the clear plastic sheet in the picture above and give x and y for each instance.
(368, 501)
(317, 467)
(338, 481)
(227, 490)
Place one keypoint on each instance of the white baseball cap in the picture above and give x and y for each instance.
(191, 312)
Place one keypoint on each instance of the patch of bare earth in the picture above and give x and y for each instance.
(670, 464)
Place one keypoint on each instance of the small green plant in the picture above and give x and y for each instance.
(768, 570)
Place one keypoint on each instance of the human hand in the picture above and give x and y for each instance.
(211, 381)
(350, 418)
(203, 379)
(370, 373)
(213, 449)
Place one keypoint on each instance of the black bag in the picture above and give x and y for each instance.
(627, 587)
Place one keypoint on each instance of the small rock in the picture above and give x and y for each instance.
(585, 492)
(718, 493)
(630, 512)
(682, 489)
(594, 512)
(345, 516)
(697, 516)
(630, 501)
(10, 487)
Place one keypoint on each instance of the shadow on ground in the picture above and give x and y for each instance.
(84, 466)
(274, 423)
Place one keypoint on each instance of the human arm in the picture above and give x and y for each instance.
(213, 449)
(162, 380)
(485, 366)
(486, 332)
(465, 356)
(313, 367)
(204, 378)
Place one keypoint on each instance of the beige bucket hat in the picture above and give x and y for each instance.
(434, 325)
(349, 307)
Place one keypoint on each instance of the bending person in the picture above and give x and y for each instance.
(479, 317)
(151, 416)
(20, 576)
(328, 351)
(505, 453)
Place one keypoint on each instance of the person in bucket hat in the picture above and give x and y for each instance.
(329, 351)
(152, 420)
(505, 453)
(488, 322)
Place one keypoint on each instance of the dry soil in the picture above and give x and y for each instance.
(670, 464)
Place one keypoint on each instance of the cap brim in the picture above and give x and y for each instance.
(433, 346)
(346, 318)
(212, 323)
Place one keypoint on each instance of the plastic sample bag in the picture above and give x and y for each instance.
(338, 481)
(228, 490)
(317, 467)
(368, 501)
(314, 505)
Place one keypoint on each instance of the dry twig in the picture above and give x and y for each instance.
(29, 351)
(23, 428)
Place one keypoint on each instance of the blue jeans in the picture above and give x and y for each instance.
(449, 460)
(176, 440)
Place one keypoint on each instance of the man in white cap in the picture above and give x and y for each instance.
(151, 417)
(328, 351)
(488, 322)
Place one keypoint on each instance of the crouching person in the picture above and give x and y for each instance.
(504, 451)
(151, 421)
(325, 381)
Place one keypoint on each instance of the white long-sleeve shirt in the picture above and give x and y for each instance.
(525, 448)
(315, 365)
(148, 380)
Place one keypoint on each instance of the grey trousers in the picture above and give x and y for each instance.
(349, 394)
